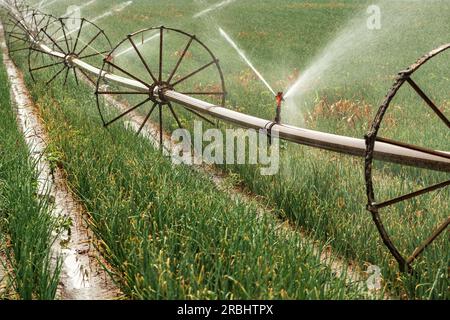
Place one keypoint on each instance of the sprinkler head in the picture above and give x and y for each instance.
(279, 98)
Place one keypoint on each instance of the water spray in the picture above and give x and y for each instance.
(244, 57)
(278, 96)
(163, 91)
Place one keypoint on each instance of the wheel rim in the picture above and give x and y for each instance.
(158, 72)
(404, 77)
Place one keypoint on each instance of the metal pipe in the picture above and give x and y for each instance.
(342, 144)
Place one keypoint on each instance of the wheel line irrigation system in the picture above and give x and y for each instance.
(162, 93)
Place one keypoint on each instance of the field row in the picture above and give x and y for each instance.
(26, 225)
(163, 239)
(146, 210)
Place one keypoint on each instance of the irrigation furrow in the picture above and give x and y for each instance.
(6, 289)
(339, 266)
(3, 276)
(82, 276)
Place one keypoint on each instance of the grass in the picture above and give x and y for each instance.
(323, 192)
(302, 190)
(25, 222)
(164, 230)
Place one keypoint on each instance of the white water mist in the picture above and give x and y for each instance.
(358, 53)
(244, 57)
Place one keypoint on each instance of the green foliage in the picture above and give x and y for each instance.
(25, 222)
(119, 177)
(165, 231)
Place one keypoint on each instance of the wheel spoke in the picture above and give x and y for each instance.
(146, 118)
(49, 24)
(142, 58)
(54, 42)
(17, 38)
(21, 26)
(75, 75)
(411, 195)
(56, 75)
(65, 77)
(94, 54)
(65, 35)
(180, 60)
(15, 33)
(34, 21)
(39, 23)
(175, 116)
(413, 147)
(38, 50)
(47, 66)
(204, 93)
(428, 101)
(78, 36)
(194, 72)
(160, 127)
(127, 112)
(87, 77)
(17, 50)
(121, 92)
(127, 73)
(428, 241)
(89, 43)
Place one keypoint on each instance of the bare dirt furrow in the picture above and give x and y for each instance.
(3, 276)
(82, 277)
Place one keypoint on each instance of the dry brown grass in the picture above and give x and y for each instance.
(246, 76)
(255, 34)
(187, 55)
(289, 80)
(445, 108)
(346, 112)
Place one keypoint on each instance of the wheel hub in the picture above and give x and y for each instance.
(68, 60)
(157, 92)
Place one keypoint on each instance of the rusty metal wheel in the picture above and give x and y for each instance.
(160, 59)
(71, 38)
(404, 78)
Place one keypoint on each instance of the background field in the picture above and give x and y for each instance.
(349, 70)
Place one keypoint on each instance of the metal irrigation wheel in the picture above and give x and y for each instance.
(26, 29)
(15, 4)
(19, 27)
(405, 77)
(75, 39)
(174, 64)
